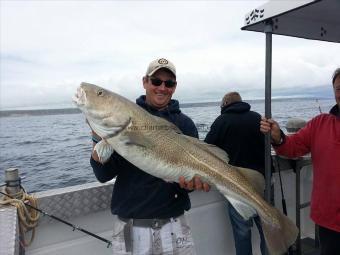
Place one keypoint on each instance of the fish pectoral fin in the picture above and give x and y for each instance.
(255, 178)
(115, 130)
(104, 150)
(246, 211)
(111, 122)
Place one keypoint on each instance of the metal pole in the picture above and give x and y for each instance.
(268, 79)
(268, 113)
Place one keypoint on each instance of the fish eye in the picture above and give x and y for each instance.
(100, 93)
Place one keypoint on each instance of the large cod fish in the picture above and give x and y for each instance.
(159, 148)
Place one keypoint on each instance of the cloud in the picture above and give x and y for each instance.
(48, 48)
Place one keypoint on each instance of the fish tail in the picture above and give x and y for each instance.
(280, 236)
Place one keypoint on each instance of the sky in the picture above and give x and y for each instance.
(47, 48)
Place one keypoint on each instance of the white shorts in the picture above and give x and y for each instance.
(174, 238)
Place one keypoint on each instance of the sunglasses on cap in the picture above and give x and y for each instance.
(158, 82)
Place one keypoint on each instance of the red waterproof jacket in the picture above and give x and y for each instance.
(320, 137)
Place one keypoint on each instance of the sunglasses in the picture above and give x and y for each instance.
(158, 82)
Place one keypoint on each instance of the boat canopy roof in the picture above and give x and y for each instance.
(310, 19)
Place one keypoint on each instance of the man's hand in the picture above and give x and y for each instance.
(194, 184)
(270, 125)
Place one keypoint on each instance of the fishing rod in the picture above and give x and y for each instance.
(318, 104)
(283, 201)
(109, 243)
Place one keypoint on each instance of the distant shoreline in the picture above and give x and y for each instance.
(19, 113)
(39, 112)
(57, 111)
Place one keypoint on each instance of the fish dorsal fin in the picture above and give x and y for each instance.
(137, 139)
(255, 178)
(166, 125)
(217, 151)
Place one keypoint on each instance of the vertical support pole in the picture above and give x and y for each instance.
(268, 113)
(268, 94)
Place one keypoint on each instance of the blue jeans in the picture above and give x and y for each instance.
(242, 232)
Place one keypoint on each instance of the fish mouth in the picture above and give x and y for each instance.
(79, 98)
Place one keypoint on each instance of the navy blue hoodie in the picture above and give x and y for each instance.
(237, 131)
(137, 194)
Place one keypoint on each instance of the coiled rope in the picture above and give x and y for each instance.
(28, 217)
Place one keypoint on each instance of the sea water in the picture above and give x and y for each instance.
(53, 150)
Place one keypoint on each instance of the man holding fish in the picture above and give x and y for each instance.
(150, 211)
(147, 145)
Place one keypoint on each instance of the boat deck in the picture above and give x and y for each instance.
(52, 237)
(87, 206)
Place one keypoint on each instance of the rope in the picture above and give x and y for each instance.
(74, 227)
(28, 218)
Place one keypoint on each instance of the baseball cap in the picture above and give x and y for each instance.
(158, 64)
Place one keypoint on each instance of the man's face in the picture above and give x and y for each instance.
(158, 96)
(336, 87)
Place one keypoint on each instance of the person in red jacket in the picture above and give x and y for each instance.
(320, 137)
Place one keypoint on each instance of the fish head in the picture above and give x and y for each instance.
(102, 108)
(96, 102)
